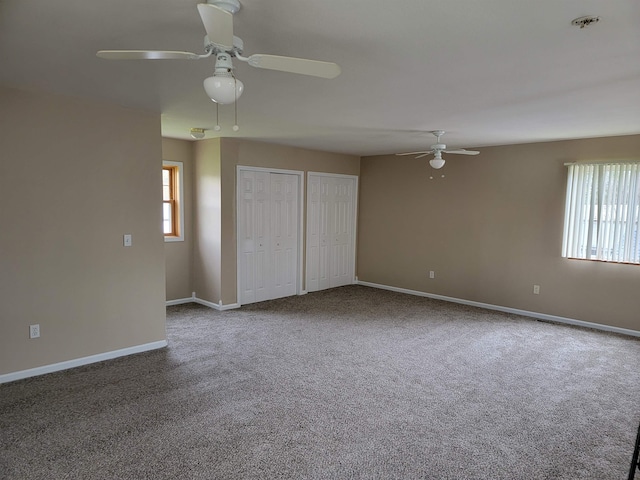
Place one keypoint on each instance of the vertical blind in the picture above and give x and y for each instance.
(602, 212)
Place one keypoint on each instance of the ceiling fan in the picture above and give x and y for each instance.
(223, 87)
(437, 149)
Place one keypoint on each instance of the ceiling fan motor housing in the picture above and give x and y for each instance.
(223, 63)
(238, 46)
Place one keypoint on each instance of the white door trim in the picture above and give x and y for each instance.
(301, 197)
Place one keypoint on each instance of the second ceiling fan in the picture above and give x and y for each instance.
(223, 87)
(438, 149)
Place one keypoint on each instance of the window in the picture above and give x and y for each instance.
(172, 201)
(602, 212)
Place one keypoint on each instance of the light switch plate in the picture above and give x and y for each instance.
(127, 240)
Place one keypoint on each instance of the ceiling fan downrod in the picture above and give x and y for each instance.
(231, 6)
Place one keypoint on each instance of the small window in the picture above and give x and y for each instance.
(602, 213)
(172, 201)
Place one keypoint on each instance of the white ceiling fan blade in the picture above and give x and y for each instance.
(218, 23)
(146, 55)
(424, 155)
(462, 151)
(295, 65)
(415, 153)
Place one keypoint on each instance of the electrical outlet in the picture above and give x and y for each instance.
(34, 331)
(536, 289)
(432, 274)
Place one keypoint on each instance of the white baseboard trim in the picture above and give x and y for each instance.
(525, 313)
(199, 301)
(216, 306)
(219, 306)
(179, 301)
(78, 362)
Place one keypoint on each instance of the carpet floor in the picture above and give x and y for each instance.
(348, 383)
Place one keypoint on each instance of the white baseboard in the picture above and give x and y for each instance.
(219, 306)
(199, 301)
(179, 301)
(525, 313)
(78, 362)
(215, 306)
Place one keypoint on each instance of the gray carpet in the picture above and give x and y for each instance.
(349, 383)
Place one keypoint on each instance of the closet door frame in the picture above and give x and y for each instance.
(354, 240)
(301, 197)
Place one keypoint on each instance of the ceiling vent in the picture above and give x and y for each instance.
(585, 21)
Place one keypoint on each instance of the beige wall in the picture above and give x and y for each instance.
(215, 271)
(179, 255)
(207, 251)
(213, 267)
(75, 176)
(491, 229)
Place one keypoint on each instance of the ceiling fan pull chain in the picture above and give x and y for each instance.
(235, 104)
(217, 127)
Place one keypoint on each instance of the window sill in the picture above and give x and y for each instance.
(595, 260)
(173, 239)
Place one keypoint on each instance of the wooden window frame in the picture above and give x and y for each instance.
(176, 200)
(172, 200)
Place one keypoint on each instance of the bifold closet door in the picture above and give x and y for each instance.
(331, 229)
(284, 234)
(268, 235)
(253, 234)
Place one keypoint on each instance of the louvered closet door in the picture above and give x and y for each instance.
(267, 235)
(331, 206)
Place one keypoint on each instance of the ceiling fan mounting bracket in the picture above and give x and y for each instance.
(438, 147)
(231, 6)
(585, 21)
(238, 46)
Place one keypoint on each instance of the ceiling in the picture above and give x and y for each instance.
(489, 72)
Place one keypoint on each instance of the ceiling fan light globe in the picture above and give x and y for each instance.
(223, 89)
(436, 163)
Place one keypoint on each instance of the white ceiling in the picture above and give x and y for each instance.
(490, 72)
